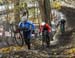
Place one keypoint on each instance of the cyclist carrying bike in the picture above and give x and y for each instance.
(46, 31)
(28, 28)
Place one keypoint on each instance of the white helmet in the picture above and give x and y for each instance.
(24, 18)
(43, 23)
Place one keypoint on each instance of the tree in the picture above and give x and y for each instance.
(44, 6)
(16, 11)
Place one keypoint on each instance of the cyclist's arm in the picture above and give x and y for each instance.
(49, 27)
(40, 29)
(20, 26)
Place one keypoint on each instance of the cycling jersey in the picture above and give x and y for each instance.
(30, 27)
(45, 27)
(27, 24)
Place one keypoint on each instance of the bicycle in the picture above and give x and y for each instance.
(19, 38)
(45, 38)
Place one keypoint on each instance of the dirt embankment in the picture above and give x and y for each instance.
(70, 15)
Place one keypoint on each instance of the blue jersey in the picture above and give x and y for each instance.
(29, 25)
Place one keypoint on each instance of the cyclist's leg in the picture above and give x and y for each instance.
(28, 40)
(47, 40)
(25, 38)
(28, 43)
(62, 28)
(43, 39)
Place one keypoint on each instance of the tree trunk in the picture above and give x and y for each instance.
(44, 6)
(41, 6)
(16, 11)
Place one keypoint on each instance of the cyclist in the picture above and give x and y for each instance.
(62, 25)
(28, 28)
(62, 22)
(44, 27)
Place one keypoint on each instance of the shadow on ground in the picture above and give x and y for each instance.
(65, 38)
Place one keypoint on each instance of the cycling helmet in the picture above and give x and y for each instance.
(43, 23)
(24, 18)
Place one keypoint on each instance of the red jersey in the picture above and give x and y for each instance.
(47, 26)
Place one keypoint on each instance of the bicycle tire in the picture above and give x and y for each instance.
(19, 41)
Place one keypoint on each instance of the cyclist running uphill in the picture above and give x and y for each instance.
(46, 31)
(62, 25)
(28, 28)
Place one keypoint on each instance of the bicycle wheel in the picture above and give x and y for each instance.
(19, 39)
